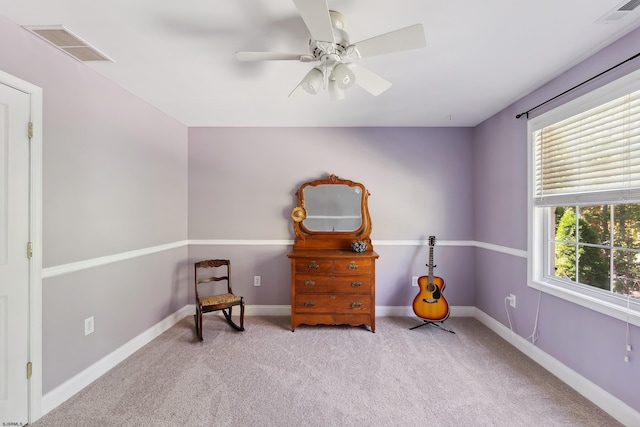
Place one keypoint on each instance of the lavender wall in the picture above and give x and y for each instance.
(126, 298)
(117, 178)
(114, 180)
(589, 343)
(242, 185)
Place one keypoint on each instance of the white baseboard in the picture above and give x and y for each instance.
(605, 400)
(72, 386)
(381, 311)
(399, 311)
(609, 403)
(267, 310)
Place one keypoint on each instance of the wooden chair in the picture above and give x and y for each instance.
(210, 297)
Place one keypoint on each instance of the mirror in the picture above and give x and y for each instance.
(331, 210)
(332, 207)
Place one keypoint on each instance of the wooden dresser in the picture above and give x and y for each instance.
(331, 283)
(333, 287)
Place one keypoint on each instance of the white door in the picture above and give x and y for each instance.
(14, 262)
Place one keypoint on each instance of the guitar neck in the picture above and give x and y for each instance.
(430, 264)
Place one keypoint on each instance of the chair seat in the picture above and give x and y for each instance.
(212, 275)
(219, 299)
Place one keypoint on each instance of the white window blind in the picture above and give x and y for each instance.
(591, 157)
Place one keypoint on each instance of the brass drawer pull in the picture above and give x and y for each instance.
(356, 304)
(352, 265)
(313, 265)
(309, 283)
(309, 303)
(356, 284)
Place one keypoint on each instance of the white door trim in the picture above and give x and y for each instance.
(35, 223)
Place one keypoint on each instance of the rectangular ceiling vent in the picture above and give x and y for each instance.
(629, 6)
(617, 13)
(69, 43)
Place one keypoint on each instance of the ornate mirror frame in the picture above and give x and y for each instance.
(328, 239)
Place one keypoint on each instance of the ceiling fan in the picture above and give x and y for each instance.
(330, 46)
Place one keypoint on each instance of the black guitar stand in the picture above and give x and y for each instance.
(430, 322)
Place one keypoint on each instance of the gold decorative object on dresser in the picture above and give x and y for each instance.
(332, 262)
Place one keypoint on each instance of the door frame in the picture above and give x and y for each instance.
(34, 341)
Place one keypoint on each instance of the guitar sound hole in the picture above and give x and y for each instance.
(436, 292)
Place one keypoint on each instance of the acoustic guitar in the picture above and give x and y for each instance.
(430, 303)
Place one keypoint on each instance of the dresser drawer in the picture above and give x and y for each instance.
(317, 303)
(352, 266)
(305, 283)
(314, 266)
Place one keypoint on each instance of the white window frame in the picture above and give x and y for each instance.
(539, 231)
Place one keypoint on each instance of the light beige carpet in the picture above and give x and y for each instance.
(328, 376)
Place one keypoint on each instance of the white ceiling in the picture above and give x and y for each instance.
(480, 57)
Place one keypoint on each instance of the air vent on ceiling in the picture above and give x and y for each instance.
(629, 6)
(617, 13)
(68, 42)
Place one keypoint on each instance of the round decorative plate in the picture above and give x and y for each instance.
(298, 214)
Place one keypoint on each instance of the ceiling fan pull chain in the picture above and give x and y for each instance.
(325, 72)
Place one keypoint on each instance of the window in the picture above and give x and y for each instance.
(584, 225)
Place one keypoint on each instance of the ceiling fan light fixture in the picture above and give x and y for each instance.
(312, 81)
(330, 46)
(335, 93)
(343, 76)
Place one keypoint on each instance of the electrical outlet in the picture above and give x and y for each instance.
(256, 280)
(626, 359)
(414, 281)
(512, 300)
(628, 347)
(88, 326)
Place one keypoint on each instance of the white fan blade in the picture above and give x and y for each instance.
(407, 38)
(315, 14)
(270, 56)
(369, 81)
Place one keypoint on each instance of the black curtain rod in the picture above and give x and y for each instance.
(576, 86)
